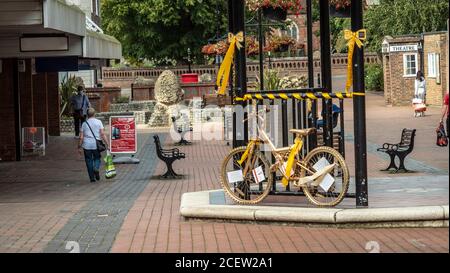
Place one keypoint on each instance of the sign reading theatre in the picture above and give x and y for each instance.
(403, 48)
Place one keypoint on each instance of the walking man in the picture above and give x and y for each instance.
(80, 104)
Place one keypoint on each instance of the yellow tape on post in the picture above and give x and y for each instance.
(352, 38)
(224, 71)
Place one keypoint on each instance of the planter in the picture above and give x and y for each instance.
(189, 78)
(341, 12)
(277, 13)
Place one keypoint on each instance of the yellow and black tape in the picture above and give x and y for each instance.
(299, 96)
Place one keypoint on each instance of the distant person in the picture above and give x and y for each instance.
(80, 104)
(420, 87)
(91, 130)
(445, 112)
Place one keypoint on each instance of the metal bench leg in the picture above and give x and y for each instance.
(184, 142)
(402, 164)
(392, 164)
(170, 173)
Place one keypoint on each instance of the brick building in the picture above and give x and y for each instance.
(38, 39)
(404, 56)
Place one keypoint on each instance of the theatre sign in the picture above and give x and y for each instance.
(404, 48)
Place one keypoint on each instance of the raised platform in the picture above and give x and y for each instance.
(197, 205)
(397, 202)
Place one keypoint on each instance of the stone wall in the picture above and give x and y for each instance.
(133, 106)
(66, 125)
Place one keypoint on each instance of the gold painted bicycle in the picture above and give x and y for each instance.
(247, 176)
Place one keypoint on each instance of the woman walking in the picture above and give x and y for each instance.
(92, 130)
(420, 87)
(419, 95)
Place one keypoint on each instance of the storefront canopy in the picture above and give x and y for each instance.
(48, 28)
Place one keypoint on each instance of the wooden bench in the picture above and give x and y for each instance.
(401, 150)
(181, 130)
(168, 156)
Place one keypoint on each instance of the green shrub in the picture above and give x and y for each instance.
(374, 78)
(123, 99)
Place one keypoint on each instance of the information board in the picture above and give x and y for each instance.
(123, 135)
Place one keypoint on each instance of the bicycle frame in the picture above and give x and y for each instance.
(278, 153)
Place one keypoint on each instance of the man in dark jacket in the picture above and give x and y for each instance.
(80, 104)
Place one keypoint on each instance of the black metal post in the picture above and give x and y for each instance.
(359, 110)
(313, 138)
(240, 60)
(231, 29)
(342, 127)
(17, 123)
(325, 60)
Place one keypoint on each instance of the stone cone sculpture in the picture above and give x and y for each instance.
(167, 92)
(160, 116)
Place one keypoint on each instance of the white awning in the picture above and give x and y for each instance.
(64, 16)
(60, 27)
(101, 46)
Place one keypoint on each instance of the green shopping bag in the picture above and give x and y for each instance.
(110, 170)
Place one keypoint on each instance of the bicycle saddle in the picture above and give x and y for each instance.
(303, 132)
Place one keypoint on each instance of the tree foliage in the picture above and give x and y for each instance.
(399, 17)
(162, 30)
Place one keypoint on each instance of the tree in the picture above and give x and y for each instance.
(163, 30)
(401, 17)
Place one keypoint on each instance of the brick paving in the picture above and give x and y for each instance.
(47, 201)
(155, 225)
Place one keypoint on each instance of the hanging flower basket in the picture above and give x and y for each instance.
(344, 12)
(221, 47)
(276, 9)
(274, 13)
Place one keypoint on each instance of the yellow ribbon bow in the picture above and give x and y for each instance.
(224, 71)
(352, 38)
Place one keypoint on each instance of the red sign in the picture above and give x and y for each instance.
(123, 136)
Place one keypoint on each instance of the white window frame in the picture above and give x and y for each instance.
(432, 65)
(405, 64)
(293, 28)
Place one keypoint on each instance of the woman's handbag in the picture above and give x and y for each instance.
(101, 147)
(442, 140)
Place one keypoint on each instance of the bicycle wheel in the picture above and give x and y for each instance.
(249, 190)
(332, 189)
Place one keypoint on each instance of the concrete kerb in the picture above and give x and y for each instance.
(196, 205)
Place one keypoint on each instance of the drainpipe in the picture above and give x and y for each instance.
(421, 50)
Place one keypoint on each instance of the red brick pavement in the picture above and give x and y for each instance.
(39, 195)
(155, 225)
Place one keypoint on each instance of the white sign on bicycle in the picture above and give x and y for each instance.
(258, 174)
(235, 176)
(327, 180)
